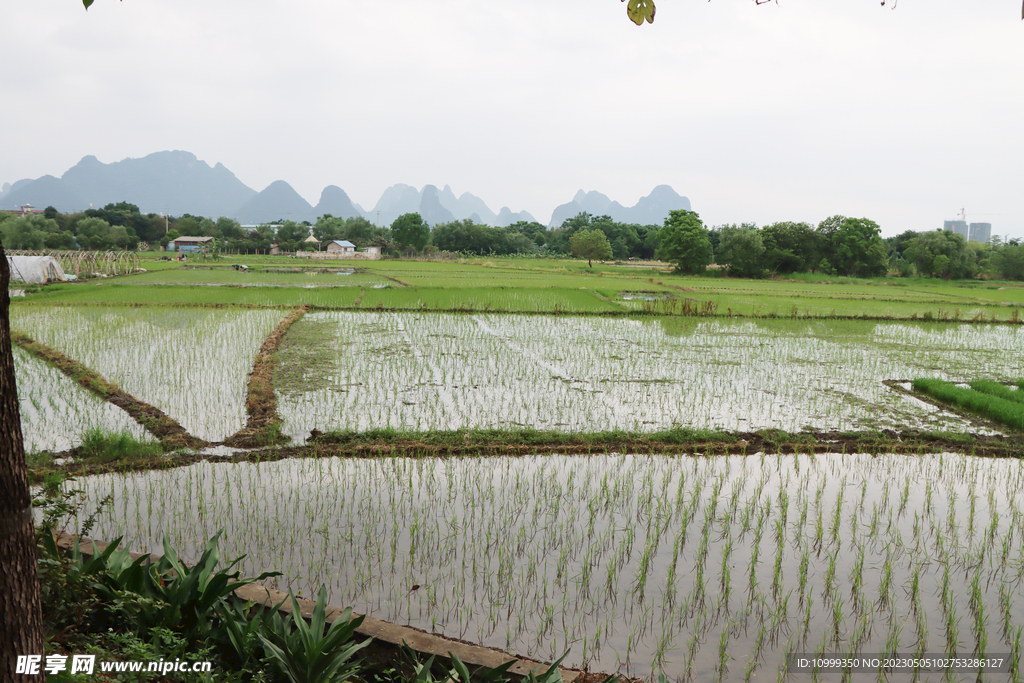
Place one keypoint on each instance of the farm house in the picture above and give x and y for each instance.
(343, 246)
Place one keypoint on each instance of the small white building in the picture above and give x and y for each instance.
(343, 246)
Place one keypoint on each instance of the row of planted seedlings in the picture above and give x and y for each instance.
(701, 567)
(429, 371)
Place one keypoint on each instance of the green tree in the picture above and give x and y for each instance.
(64, 240)
(859, 249)
(362, 232)
(328, 228)
(96, 234)
(228, 229)
(941, 253)
(188, 226)
(291, 235)
(1008, 261)
(137, 225)
(590, 244)
(532, 229)
(789, 247)
(409, 230)
(684, 241)
(29, 232)
(474, 238)
(741, 249)
(896, 246)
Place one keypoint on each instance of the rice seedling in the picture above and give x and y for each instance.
(999, 390)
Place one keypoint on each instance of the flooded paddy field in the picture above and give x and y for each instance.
(56, 412)
(191, 363)
(226, 276)
(346, 370)
(712, 567)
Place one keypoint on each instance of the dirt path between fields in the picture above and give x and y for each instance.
(263, 426)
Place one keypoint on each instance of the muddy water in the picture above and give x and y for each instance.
(636, 563)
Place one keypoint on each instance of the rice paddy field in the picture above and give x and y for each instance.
(56, 412)
(357, 371)
(693, 562)
(191, 363)
(226, 276)
(699, 567)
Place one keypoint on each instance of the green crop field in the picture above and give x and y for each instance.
(536, 285)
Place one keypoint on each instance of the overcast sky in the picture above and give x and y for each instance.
(789, 111)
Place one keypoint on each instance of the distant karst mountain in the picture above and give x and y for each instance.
(175, 180)
(335, 201)
(180, 183)
(431, 209)
(439, 206)
(277, 202)
(43, 192)
(650, 210)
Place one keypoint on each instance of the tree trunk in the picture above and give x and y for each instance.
(21, 619)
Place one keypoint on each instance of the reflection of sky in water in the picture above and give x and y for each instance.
(539, 554)
(437, 371)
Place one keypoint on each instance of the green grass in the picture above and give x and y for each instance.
(100, 446)
(1001, 410)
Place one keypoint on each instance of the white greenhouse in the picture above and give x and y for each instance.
(35, 269)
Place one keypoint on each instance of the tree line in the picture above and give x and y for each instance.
(838, 245)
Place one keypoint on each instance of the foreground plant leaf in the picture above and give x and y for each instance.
(638, 10)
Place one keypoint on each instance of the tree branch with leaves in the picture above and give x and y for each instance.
(640, 11)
